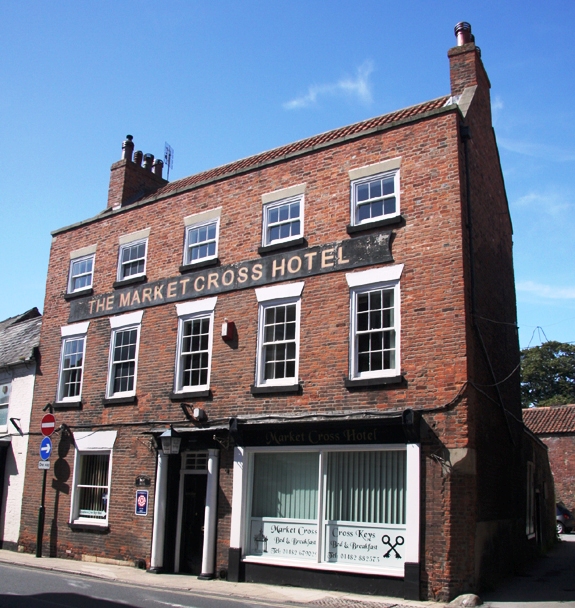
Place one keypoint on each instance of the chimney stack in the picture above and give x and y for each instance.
(129, 180)
(466, 67)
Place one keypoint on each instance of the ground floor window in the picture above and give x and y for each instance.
(329, 506)
(93, 486)
(92, 477)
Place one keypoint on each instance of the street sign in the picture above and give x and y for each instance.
(141, 502)
(44, 465)
(45, 448)
(48, 424)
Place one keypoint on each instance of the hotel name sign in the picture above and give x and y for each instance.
(332, 257)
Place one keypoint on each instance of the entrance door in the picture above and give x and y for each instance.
(191, 512)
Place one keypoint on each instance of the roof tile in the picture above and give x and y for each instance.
(553, 419)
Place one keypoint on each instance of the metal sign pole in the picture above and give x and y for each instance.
(41, 512)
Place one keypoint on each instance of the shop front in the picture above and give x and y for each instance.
(334, 504)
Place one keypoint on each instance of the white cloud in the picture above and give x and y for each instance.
(551, 203)
(358, 87)
(546, 291)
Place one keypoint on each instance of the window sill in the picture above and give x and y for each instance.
(131, 400)
(78, 294)
(62, 405)
(283, 245)
(389, 221)
(204, 394)
(88, 527)
(199, 265)
(369, 382)
(142, 278)
(294, 389)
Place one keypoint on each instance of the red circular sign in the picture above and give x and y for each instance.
(48, 424)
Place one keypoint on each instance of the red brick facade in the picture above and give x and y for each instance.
(458, 363)
(555, 426)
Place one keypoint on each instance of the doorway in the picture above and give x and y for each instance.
(191, 512)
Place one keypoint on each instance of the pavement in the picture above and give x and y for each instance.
(548, 583)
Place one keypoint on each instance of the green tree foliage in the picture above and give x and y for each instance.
(548, 374)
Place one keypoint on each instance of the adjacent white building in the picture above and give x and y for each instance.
(19, 340)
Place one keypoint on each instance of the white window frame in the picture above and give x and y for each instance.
(5, 385)
(127, 322)
(98, 443)
(240, 533)
(271, 297)
(72, 276)
(386, 278)
(196, 221)
(189, 311)
(280, 198)
(122, 265)
(69, 333)
(363, 175)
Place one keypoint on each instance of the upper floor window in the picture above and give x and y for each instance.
(132, 260)
(81, 274)
(133, 252)
(283, 220)
(195, 338)
(123, 365)
(283, 215)
(5, 390)
(202, 233)
(72, 361)
(375, 192)
(374, 344)
(278, 335)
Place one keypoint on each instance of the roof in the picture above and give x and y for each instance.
(303, 146)
(19, 336)
(552, 419)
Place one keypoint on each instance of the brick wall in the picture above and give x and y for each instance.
(448, 355)
(561, 450)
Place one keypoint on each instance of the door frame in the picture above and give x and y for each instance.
(183, 473)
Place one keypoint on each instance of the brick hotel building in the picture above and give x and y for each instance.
(298, 368)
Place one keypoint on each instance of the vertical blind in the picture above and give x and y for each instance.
(93, 486)
(286, 485)
(367, 487)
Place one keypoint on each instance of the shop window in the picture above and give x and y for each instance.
(338, 507)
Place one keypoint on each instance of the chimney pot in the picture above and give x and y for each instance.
(148, 161)
(127, 148)
(138, 157)
(157, 167)
(463, 33)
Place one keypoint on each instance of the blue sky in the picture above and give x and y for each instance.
(222, 80)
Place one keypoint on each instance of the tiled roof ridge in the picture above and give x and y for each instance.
(301, 145)
(550, 419)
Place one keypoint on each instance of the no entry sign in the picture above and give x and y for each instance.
(48, 425)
